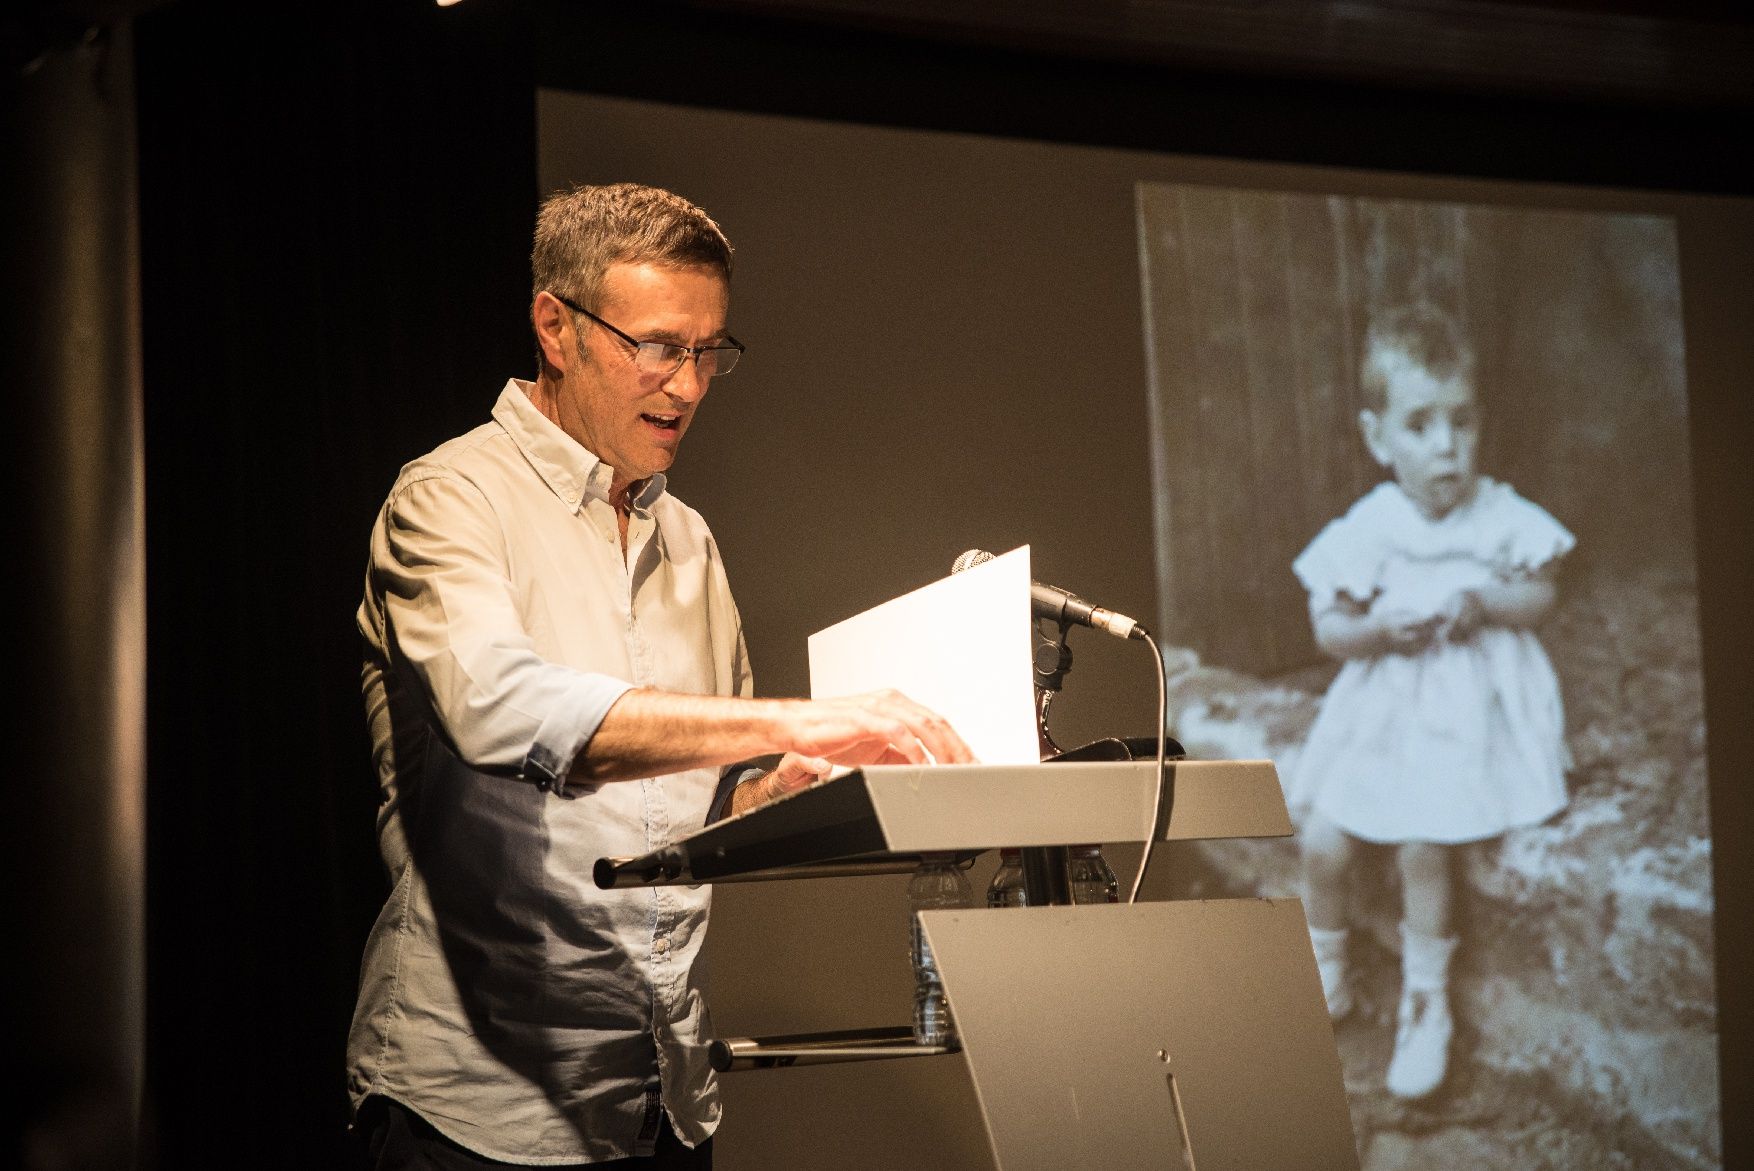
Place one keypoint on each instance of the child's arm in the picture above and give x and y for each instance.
(1348, 629)
(1518, 603)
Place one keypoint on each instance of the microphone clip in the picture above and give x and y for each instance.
(1053, 657)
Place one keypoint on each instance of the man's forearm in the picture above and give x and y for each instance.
(648, 733)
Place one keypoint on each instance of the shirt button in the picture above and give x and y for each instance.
(660, 946)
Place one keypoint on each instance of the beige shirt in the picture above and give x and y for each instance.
(522, 1011)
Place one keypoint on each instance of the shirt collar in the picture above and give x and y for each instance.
(571, 472)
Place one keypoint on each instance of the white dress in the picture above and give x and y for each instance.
(1465, 739)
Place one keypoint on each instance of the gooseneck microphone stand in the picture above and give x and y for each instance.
(1046, 877)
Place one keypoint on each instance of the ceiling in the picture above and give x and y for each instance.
(1640, 52)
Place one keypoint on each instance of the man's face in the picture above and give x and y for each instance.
(631, 420)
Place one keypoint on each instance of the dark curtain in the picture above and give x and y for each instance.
(336, 208)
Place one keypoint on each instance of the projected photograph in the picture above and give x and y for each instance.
(1424, 538)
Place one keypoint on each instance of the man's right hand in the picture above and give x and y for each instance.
(881, 727)
(646, 733)
(878, 727)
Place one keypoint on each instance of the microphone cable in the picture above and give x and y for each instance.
(1164, 803)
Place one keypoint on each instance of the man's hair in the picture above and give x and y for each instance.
(581, 232)
(1419, 335)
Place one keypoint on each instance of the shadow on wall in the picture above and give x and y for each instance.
(1586, 999)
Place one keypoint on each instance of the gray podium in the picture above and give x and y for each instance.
(1183, 1034)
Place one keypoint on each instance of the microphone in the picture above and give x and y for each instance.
(1067, 609)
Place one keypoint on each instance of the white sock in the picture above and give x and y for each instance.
(1425, 961)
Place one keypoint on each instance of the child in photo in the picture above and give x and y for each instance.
(1444, 726)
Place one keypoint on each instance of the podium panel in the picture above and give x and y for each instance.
(1154, 1035)
(1181, 1035)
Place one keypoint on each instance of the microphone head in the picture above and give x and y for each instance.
(970, 559)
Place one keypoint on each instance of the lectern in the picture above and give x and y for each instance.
(1182, 1034)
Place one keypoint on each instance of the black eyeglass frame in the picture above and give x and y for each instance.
(730, 343)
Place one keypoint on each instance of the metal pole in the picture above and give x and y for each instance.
(1046, 881)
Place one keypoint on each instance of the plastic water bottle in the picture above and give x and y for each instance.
(1006, 889)
(937, 885)
(1090, 877)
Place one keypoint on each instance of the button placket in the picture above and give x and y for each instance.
(640, 529)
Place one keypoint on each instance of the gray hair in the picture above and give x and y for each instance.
(580, 233)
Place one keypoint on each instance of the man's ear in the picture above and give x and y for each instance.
(553, 326)
(1370, 426)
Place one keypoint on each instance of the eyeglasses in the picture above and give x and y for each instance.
(666, 358)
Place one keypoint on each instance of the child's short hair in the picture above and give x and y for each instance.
(1422, 335)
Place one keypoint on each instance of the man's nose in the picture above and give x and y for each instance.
(686, 382)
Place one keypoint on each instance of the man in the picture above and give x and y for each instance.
(554, 672)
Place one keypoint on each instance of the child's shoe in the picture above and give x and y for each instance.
(1424, 1027)
(1330, 951)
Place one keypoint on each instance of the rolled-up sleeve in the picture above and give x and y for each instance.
(439, 564)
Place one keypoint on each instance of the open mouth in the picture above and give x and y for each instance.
(663, 422)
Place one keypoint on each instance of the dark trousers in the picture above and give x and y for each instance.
(398, 1139)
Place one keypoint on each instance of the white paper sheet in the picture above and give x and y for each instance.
(961, 646)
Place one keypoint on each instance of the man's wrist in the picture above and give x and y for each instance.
(765, 725)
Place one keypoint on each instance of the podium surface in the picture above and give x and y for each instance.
(895, 813)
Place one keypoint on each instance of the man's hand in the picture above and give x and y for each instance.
(879, 727)
(647, 732)
(793, 772)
